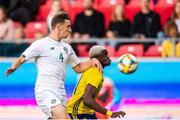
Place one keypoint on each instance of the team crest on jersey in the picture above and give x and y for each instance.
(65, 49)
(53, 101)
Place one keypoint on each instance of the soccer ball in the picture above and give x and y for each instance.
(127, 63)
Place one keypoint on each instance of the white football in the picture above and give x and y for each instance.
(127, 63)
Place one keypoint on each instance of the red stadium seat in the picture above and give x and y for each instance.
(77, 7)
(65, 5)
(165, 13)
(45, 9)
(111, 2)
(137, 3)
(106, 7)
(131, 11)
(95, 4)
(74, 10)
(83, 50)
(33, 27)
(133, 8)
(154, 51)
(111, 50)
(134, 49)
(166, 2)
(107, 12)
(164, 9)
(133, 3)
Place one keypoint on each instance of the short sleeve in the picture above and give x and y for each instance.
(73, 60)
(34, 50)
(94, 77)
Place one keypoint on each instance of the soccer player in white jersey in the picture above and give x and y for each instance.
(51, 56)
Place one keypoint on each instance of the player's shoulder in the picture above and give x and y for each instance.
(67, 47)
(94, 71)
(40, 41)
(66, 44)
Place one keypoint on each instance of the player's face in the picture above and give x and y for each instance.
(104, 58)
(65, 29)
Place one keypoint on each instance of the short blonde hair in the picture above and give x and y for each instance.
(96, 50)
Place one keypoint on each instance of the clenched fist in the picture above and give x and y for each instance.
(9, 71)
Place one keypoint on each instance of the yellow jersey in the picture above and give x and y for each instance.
(75, 105)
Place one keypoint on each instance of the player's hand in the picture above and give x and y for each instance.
(95, 62)
(9, 71)
(118, 114)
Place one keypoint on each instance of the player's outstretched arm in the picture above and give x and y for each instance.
(83, 66)
(17, 62)
(89, 100)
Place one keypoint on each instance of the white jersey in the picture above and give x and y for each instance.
(51, 58)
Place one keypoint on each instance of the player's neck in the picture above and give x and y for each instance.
(54, 36)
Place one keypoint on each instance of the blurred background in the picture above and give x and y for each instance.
(148, 29)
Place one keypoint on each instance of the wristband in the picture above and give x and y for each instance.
(109, 113)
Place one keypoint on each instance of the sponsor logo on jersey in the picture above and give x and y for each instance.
(53, 101)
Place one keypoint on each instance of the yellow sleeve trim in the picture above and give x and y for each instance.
(109, 113)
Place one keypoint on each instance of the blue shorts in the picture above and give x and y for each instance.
(83, 116)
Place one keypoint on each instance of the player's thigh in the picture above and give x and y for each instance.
(59, 112)
(50, 104)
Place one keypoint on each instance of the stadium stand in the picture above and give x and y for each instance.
(45, 9)
(111, 50)
(135, 49)
(133, 8)
(75, 9)
(83, 50)
(163, 7)
(111, 2)
(33, 27)
(153, 51)
(107, 12)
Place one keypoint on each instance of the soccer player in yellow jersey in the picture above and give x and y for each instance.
(83, 103)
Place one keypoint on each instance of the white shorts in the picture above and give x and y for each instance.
(47, 99)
